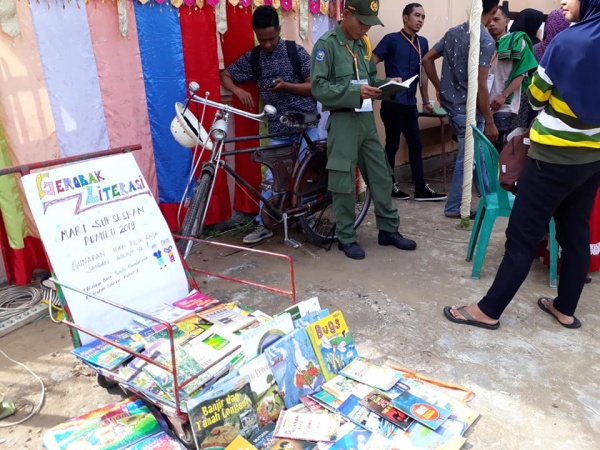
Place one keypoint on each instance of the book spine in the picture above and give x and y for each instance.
(315, 343)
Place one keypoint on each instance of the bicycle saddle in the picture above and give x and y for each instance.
(299, 118)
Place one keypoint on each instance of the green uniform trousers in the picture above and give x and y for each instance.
(353, 139)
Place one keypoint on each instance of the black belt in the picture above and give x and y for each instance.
(334, 111)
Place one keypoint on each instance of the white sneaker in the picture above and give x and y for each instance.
(260, 233)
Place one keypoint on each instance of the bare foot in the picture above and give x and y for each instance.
(475, 312)
(548, 304)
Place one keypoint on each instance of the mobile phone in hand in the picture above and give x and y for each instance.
(270, 84)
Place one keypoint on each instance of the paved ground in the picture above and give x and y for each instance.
(536, 383)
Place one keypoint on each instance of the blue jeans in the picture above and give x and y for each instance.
(313, 134)
(458, 123)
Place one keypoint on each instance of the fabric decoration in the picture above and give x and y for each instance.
(176, 3)
(315, 6)
(234, 2)
(325, 7)
(123, 22)
(200, 3)
(268, 2)
(234, 46)
(221, 16)
(80, 127)
(201, 64)
(9, 23)
(296, 5)
(246, 3)
(276, 4)
(213, 3)
(304, 5)
(286, 5)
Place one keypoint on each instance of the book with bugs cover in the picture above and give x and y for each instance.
(333, 343)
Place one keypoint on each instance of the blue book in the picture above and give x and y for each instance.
(295, 367)
(421, 410)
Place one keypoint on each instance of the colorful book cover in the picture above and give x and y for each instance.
(352, 410)
(109, 428)
(303, 308)
(333, 343)
(308, 426)
(421, 410)
(356, 438)
(263, 440)
(381, 405)
(218, 420)
(373, 375)
(226, 318)
(326, 399)
(342, 387)
(194, 325)
(256, 340)
(150, 335)
(295, 367)
(240, 443)
(196, 301)
(213, 346)
(166, 313)
(187, 367)
(105, 355)
(305, 321)
(267, 399)
(158, 441)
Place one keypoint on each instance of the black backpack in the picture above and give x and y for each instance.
(292, 52)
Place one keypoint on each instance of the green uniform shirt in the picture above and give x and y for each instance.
(332, 69)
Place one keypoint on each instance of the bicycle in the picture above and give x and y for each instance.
(299, 188)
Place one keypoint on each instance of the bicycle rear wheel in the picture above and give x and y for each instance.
(311, 187)
(193, 224)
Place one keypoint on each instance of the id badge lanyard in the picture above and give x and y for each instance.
(367, 104)
(418, 50)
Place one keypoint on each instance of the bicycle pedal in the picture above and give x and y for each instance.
(292, 243)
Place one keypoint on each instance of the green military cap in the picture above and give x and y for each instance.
(365, 10)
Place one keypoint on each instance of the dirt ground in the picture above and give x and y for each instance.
(536, 384)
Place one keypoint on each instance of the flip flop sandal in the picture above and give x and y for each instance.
(576, 323)
(468, 319)
(7, 408)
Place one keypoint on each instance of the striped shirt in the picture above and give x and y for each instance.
(557, 135)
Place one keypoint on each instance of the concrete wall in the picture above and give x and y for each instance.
(440, 16)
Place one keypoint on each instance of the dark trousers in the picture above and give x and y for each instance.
(503, 123)
(403, 119)
(567, 193)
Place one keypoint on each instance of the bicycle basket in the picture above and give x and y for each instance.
(184, 128)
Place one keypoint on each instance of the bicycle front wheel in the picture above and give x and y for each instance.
(193, 224)
(311, 186)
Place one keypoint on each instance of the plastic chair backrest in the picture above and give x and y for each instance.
(483, 147)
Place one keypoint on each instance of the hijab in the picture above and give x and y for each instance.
(572, 62)
(529, 21)
(555, 23)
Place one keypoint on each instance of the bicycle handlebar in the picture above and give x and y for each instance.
(194, 87)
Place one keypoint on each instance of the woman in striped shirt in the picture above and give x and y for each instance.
(561, 176)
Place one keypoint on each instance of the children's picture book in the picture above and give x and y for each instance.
(159, 441)
(193, 325)
(392, 88)
(342, 387)
(308, 426)
(149, 335)
(226, 318)
(220, 416)
(333, 343)
(256, 340)
(352, 410)
(212, 346)
(111, 427)
(187, 367)
(240, 443)
(305, 321)
(263, 439)
(196, 301)
(421, 410)
(373, 375)
(105, 355)
(303, 308)
(267, 399)
(381, 405)
(295, 367)
(326, 400)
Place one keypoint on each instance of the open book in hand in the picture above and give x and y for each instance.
(391, 88)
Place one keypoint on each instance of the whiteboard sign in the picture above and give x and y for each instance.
(105, 235)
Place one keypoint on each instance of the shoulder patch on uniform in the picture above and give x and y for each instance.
(320, 55)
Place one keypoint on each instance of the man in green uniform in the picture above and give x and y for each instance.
(343, 79)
